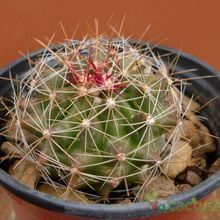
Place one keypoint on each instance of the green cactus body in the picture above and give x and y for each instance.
(98, 111)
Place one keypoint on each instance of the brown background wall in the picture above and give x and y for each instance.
(189, 25)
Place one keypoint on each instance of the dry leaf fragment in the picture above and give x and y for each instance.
(25, 172)
(162, 185)
(178, 160)
(73, 195)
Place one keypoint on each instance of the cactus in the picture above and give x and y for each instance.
(94, 115)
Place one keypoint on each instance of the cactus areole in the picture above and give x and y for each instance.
(92, 116)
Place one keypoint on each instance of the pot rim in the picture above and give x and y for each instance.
(110, 211)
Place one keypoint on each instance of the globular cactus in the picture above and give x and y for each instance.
(94, 116)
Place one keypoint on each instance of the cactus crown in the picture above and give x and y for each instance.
(93, 116)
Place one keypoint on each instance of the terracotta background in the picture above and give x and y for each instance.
(189, 25)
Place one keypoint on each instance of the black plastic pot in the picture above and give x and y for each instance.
(44, 206)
